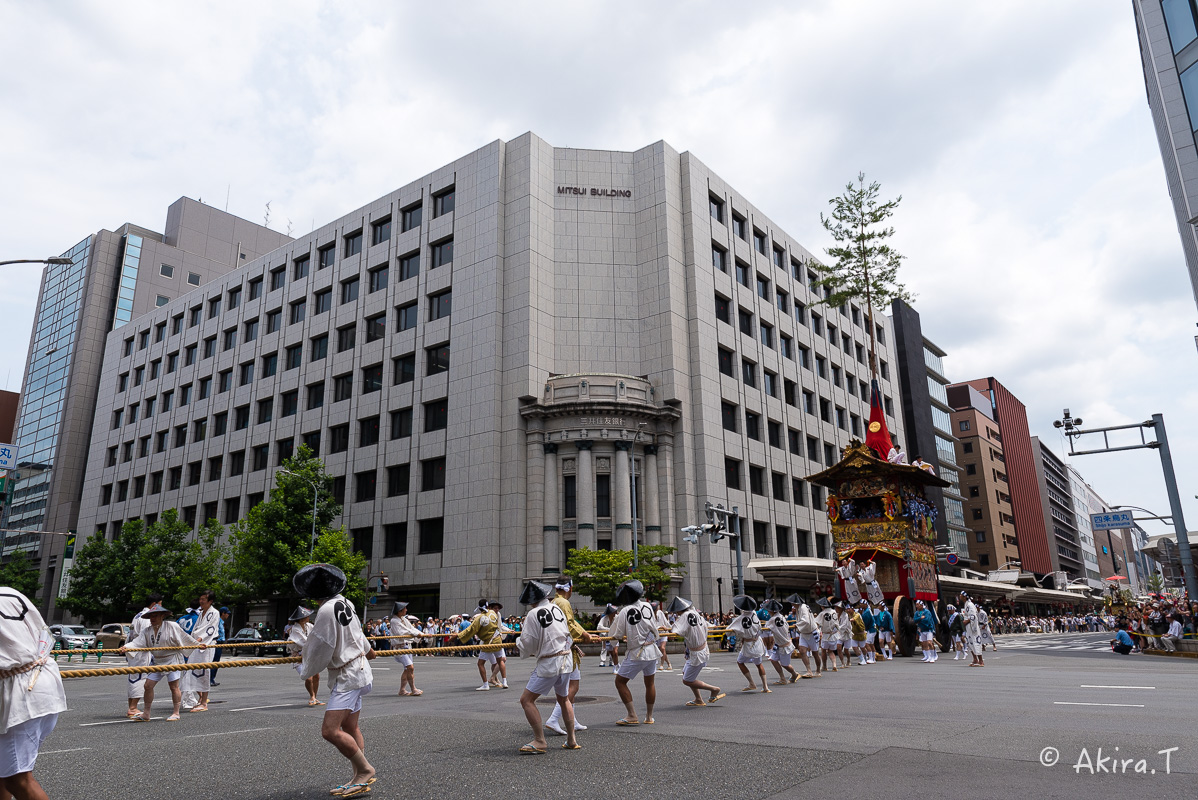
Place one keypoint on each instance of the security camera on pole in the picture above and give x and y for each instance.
(717, 528)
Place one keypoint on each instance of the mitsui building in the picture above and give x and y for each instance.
(486, 357)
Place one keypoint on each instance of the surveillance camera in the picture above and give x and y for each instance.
(1077, 421)
(1058, 424)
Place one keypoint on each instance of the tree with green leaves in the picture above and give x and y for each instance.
(336, 547)
(597, 574)
(21, 574)
(275, 536)
(865, 267)
(103, 585)
(1156, 584)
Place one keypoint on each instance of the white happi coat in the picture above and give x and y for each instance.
(205, 631)
(984, 624)
(169, 634)
(973, 630)
(602, 627)
(661, 621)
(24, 639)
(804, 620)
(692, 627)
(297, 637)
(137, 683)
(545, 636)
(868, 576)
(828, 622)
(636, 622)
(844, 628)
(779, 628)
(748, 632)
(403, 626)
(852, 594)
(336, 643)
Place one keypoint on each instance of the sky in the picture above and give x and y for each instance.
(1039, 237)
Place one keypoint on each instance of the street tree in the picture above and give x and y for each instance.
(336, 547)
(865, 267)
(102, 578)
(597, 574)
(21, 574)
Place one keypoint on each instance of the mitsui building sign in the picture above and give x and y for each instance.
(594, 192)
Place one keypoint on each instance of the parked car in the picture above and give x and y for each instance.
(246, 635)
(114, 635)
(72, 636)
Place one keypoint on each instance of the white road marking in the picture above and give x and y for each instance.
(1099, 686)
(226, 733)
(1115, 705)
(256, 708)
(263, 667)
(110, 722)
(72, 750)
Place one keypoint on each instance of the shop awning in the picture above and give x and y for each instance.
(950, 585)
(801, 570)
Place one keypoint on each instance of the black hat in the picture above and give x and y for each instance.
(495, 604)
(157, 608)
(773, 606)
(610, 610)
(793, 600)
(299, 613)
(678, 605)
(823, 603)
(629, 592)
(742, 602)
(398, 608)
(319, 581)
(534, 592)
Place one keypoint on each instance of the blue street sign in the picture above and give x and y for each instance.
(373, 600)
(951, 558)
(1111, 521)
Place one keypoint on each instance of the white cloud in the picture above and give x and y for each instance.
(1040, 238)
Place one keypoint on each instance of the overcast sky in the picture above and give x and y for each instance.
(1036, 222)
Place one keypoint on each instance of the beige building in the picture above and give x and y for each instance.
(988, 515)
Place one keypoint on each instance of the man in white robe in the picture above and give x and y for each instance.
(663, 624)
(829, 623)
(137, 683)
(987, 634)
(31, 694)
(545, 637)
(868, 576)
(611, 650)
(406, 627)
(805, 633)
(205, 630)
(162, 632)
(692, 627)
(973, 630)
(848, 579)
(747, 627)
(782, 648)
(635, 623)
(297, 636)
(336, 643)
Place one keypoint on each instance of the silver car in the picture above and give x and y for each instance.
(73, 636)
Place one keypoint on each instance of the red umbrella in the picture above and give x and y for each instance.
(1116, 578)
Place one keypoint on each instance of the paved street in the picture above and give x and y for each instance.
(911, 729)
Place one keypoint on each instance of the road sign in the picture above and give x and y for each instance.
(373, 600)
(8, 456)
(1111, 521)
(951, 558)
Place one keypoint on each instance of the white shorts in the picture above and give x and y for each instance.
(169, 677)
(830, 643)
(350, 700)
(576, 675)
(781, 656)
(691, 670)
(541, 684)
(859, 643)
(870, 636)
(488, 657)
(744, 658)
(925, 636)
(885, 636)
(630, 669)
(609, 647)
(137, 686)
(404, 659)
(957, 639)
(809, 640)
(18, 747)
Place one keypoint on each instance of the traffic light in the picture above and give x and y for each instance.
(384, 583)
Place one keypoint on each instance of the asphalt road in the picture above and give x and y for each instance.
(903, 728)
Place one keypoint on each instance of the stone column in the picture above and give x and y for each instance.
(651, 513)
(622, 498)
(584, 491)
(534, 502)
(552, 526)
(665, 476)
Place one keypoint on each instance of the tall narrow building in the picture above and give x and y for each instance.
(114, 278)
(485, 357)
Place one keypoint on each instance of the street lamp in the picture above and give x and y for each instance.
(57, 261)
(315, 495)
(1009, 563)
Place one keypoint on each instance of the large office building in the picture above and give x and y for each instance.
(114, 278)
(485, 357)
(1168, 34)
(1086, 502)
(926, 417)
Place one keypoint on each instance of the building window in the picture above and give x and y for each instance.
(401, 423)
(300, 267)
(380, 231)
(260, 457)
(378, 279)
(266, 410)
(338, 438)
(971, 469)
(745, 320)
(409, 266)
(365, 486)
(760, 242)
(372, 378)
(719, 258)
(963, 425)
(350, 289)
(753, 425)
(289, 405)
(293, 356)
(742, 273)
(353, 243)
(432, 535)
(432, 474)
(763, 288)
(311, 440)
(438, 359)
(717, 209)
(756, 480)
(322, 301)
(193, 278)
(346, 338)
(298, 311)
(343, 387)
(405, 317)
(214, 467)
(315, 395)
(779, 485)
(977, 514)
(1179, 20)
(410, 217)
(439, 304)
(405, 368)
(274, 320)
(728, 415)
(442, 253)
(723, 309)
(255, 288)
(443, 202)
(395, 540)
(603, 495)
(320, 347)
(436, 415)
(774, 433)
(214, 308)
(325, 256)
(732, 473)
(195, 472)
(199, 430)
(247, 375)
(749, 373)
(368, 431)
(234, 297)
(241, 418)
(786, 346)
(727, 360)
(399, 480)
(769, 383)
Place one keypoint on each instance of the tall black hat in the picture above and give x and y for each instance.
(319, 581)
(534, 592)
(679, 604)
(793, 601)
(773, 606)
(742, 602)
(398, 609)
(823, 603)
(610, 610)
(300, 613)
(629, 592)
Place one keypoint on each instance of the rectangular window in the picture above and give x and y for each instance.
(194, 316)
(401, 423)
(322, 301)
(779, 485)
(289, 403)
(409, 266)
(155, 368)
(172, 363)
(199, 430)
(143, 338)
(792, 439)
(763, 288)
(270, 364)
(742, 273)
(277, 278)
(365, 486)
(300, 267)
(569, 497)
(749, 373)
(798, 492)
(368, 431)
(156, 482)
(603, 495)
(346, 338)
(728, 415)
(723, 309)
(195, 472)
(372, 378)
(224, 381)
(756, 480)
(214, 467)
(214, 308)
(230, 338)
(432, 474)
(236, 463)
(260, 457)
(739, 227)
(767, 335)
(727, 360)
(745, 320)
(717, 209)
(378, 279)
(380, 231)
(266, 410)
(405, 317)
(774, 430)
(315, 395)
(311, 441)
(443, 202)
(410, 217)
(438, 304)
(184, 394)
(432, 535)
(353, 243)
(293, 356)
(175, 478)
(160, 329)
(436, 415)
(786, 346)
(320, 347)
(246, 376)
(760, 241)
(338, 438)
(405, 368)
(255, 288)
(719, 258)
(442, 254)
(732, 473)
(176, 324)
(274, 320)
(753, 425)
(395, 540)
(241, 418)
(376, 327)
(220, 423)
(234, 297)
(963, 425)
(350, 289)
(298, 310)
(160, 441)
(325, 256)
(782, 539)
(343, 387)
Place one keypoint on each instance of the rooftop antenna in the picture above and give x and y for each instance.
(266, 216)
(228, 191)
(288, 228)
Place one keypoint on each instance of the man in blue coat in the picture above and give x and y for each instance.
(925, 623)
